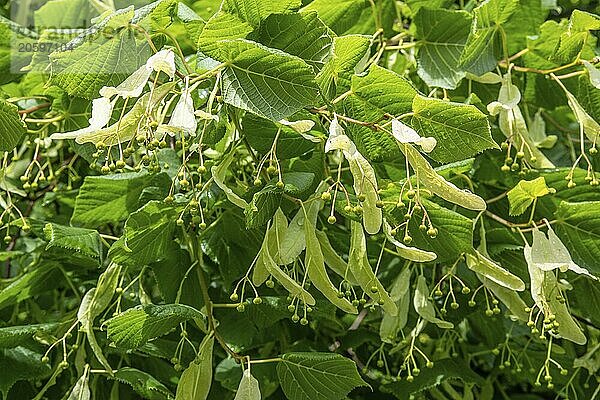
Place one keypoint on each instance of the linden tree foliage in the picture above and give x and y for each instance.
(299, 199)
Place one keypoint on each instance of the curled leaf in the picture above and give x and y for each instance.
(405, 134)
(594, 73)
(102, 109)
(525, 193)
(127, 127)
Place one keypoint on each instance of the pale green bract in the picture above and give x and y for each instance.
(358, 263)
(196, 379)
(512, 123)
(81, 390)
(219, 173)
(400, 293)
(410, 253)
(549, 253)
(365, 181)
(434, 182)
(248, 389)
(424, 306)
(315, 267)
(544, 290)
(482, 265)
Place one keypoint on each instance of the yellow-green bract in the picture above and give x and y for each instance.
(433, 181)
(545, 289)
(195, 381)
(315, 266)
(482, 265)
(248, 389)
(424, 307)
(219, 172)
(358, 264)
(400, 293)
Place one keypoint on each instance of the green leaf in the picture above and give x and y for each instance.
(63, 14)
(572, 41)
(248, 389)
(443, 370)
(375, 94)
(230, 245)
(148, 235)
(525, 22)
(13, 336)
(348, 56)
(416, 5)
(303, 35)
(461, 130)
(455, 232)
(20, 364)
(98, 62)
(136, 326)
(481, 51)
(221, 26)
(443, 34)
(525, 193)
(108, 199)
(37, 281)
(264, 81)
(12, 129)
(196, 380)
(578, 227)
(384, 91)
(263, 206)
(143, 383)
(339, 15)
(80, 240)
(255, 11)
(317, 376)
(261, 134)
